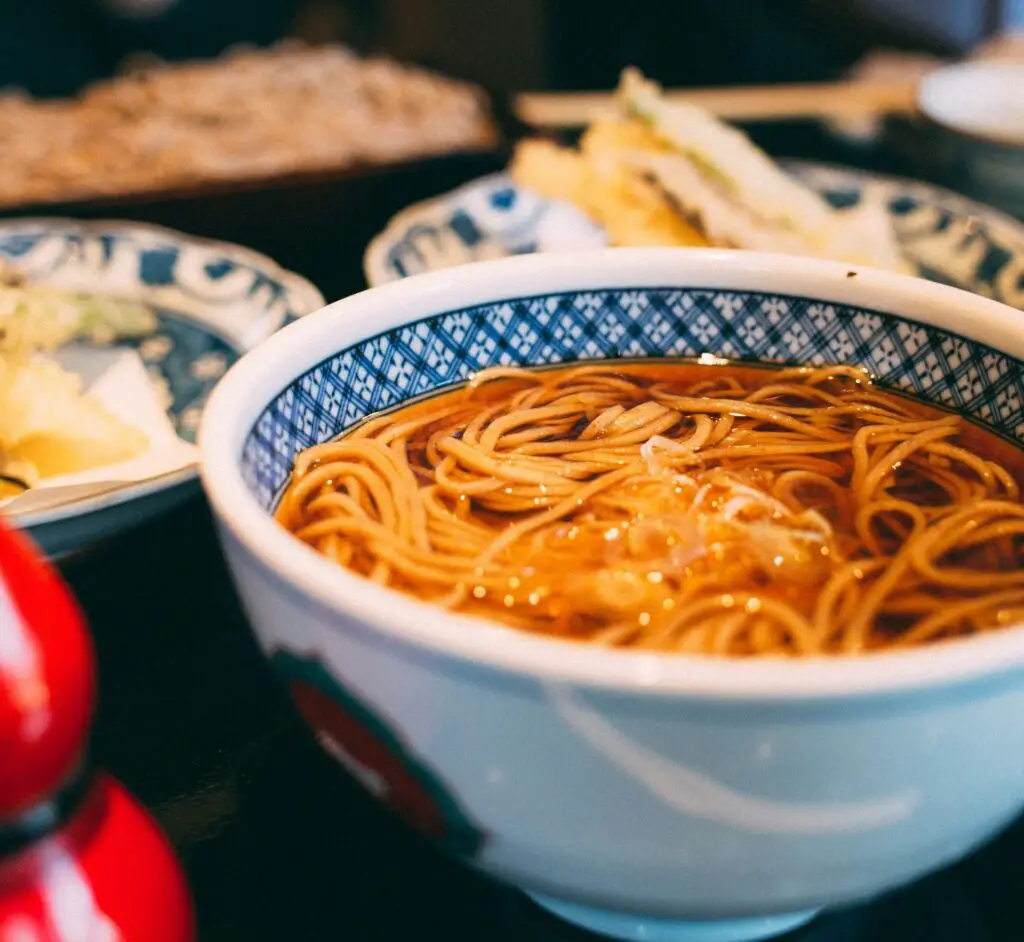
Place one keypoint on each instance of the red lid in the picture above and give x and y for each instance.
(47, 677)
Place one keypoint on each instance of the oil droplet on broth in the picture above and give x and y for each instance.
(1010, 616)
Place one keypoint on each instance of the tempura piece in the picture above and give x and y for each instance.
(661, 173)
(742, 198)
(49, 427)
(626, 206)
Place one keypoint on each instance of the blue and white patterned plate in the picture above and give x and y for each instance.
(213, 303)
(947, 237)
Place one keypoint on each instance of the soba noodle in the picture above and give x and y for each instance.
(721, 510)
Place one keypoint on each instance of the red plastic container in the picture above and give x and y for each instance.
(47, 678)
(104, 874)
(80, 860)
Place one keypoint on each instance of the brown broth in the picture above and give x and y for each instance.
(683, 373)
(602, 549)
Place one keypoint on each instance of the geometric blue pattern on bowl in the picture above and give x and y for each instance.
(436, 352)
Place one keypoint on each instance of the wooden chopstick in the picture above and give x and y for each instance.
(742, 103)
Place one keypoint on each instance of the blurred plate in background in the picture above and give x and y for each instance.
(314, 223)
(946, 237)
(213, 302)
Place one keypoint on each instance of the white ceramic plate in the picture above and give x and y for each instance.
(947, 237)
(213, 301)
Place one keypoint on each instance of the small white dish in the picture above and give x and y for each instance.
(974, 116)
(214, 301)
(980, 98)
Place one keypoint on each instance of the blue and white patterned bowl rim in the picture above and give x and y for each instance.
(947, 237)
(438, 351)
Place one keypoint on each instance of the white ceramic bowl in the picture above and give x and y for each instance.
(974, 112)
(647, 796)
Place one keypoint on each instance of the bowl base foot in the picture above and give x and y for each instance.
(635, 928)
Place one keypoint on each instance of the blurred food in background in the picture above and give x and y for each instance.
(305, 152)
(660, 173)
(48, 424)
(252, 113)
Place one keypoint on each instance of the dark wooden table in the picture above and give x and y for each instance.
(279, 845)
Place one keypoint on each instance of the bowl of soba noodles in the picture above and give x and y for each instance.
(680, 589)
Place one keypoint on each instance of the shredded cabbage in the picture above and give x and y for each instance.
(36, 317)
